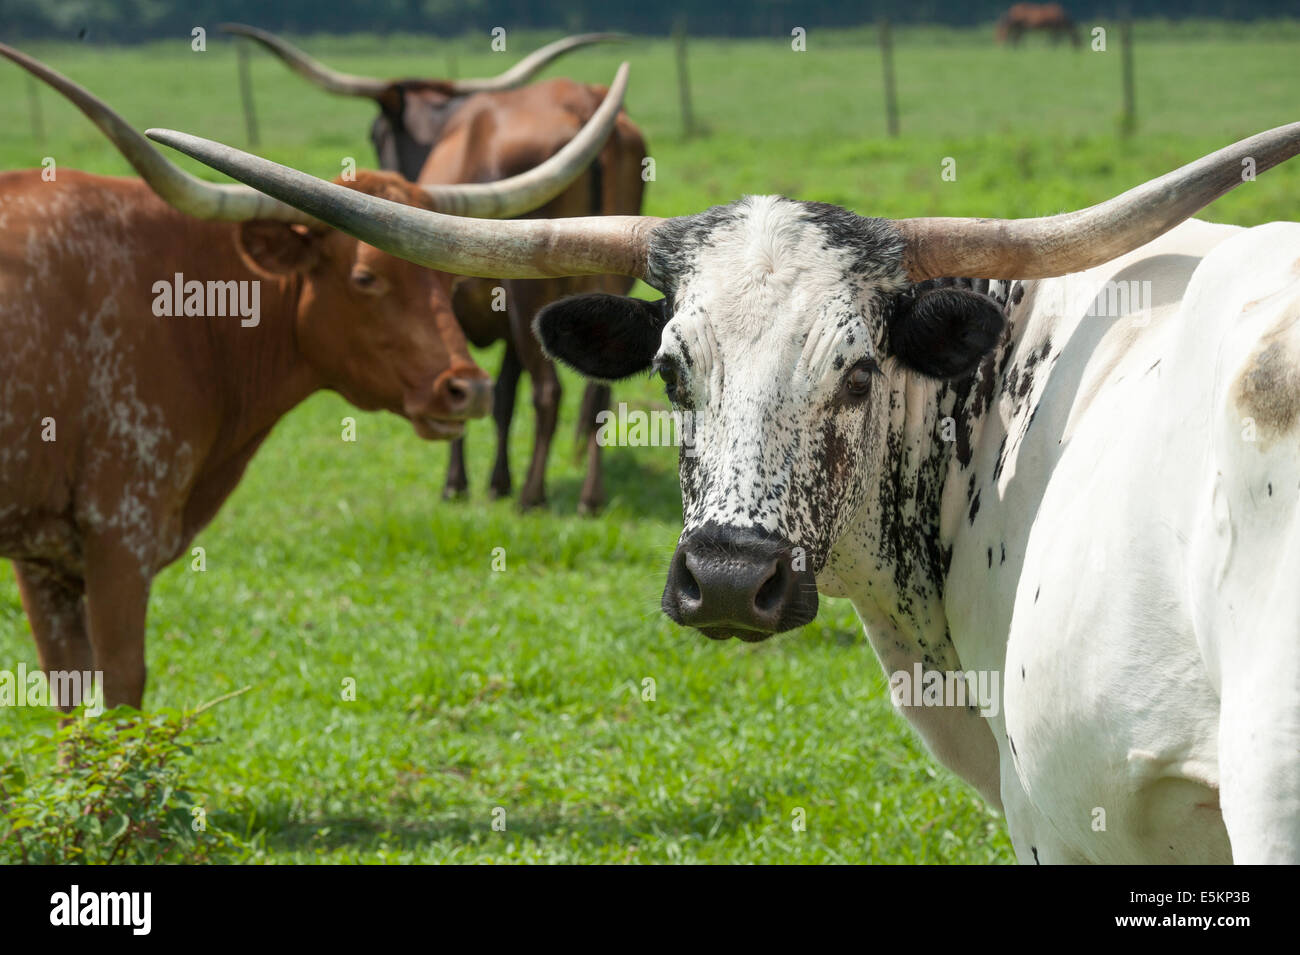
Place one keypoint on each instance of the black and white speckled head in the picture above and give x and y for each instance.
(775, 347)
(781, 331)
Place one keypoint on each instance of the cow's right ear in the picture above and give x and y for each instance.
(276, 249)
(602, 336)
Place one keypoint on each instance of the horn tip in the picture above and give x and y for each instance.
(168, 137)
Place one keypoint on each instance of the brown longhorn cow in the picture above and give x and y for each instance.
(154, 332)
(430, 131)
(1023, 18)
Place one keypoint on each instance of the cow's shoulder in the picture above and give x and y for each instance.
(1245, 305)
(1246, 297)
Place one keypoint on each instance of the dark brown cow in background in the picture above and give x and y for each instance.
(154, 332)
(1024, 18)
(425, 130)
(412, 112)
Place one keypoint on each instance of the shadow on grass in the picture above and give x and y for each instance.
(635, 485)
(403, 832)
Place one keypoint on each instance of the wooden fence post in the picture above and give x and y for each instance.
(34, 105)
(246, 94)
(1128, 122)
(683, 79)
(891, 90)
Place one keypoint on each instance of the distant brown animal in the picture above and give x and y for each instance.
(155, 331)
(1050, 18)
(429, 130)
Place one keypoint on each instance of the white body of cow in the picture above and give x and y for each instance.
(1132, 569)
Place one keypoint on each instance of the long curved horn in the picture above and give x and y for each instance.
(1074, 241)
(186, 193)
(518, 248)
(536, 187)
(348, 84)
(313, 71)
(523, 71)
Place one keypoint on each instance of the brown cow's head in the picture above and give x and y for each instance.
(412, 112)
(412, 115)
(378, 330)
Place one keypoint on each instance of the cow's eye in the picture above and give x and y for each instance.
(857, 384)
(667, 372)
(364, 280)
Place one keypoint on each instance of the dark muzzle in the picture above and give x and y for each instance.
(737, 582)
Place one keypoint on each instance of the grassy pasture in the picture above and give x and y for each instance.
(522, 689)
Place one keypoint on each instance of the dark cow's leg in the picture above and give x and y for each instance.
(586, 416)
(525, 298)
(457, 484)
(503, 412)
(117, 599)
(56, 610)
(595, 400)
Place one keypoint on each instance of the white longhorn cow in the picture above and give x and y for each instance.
(1087, 484)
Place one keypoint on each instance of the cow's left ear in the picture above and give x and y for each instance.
(602, 336)
(276, 249)
(944, 332)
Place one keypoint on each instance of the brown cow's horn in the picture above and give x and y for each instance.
(348, 84)
(345, 84)
(517, 248)
(539, 185)
(1074, 241)
(203, 200)
(523, 71)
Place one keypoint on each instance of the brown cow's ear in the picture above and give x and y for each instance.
(276, 249)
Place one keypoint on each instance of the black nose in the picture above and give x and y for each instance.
(736, 582)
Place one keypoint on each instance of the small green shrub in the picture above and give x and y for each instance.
(108, 789)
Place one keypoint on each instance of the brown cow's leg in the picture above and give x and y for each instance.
(525, 298)
(546, 405)
(503, 412)
(596, 400)
(457, 483)
(56, 611)
(117, 598)
(586, 422)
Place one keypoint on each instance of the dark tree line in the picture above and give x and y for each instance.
(125, 21)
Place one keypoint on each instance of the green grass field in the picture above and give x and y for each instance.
(522, 689)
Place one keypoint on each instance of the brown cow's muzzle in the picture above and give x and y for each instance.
(457, 396)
